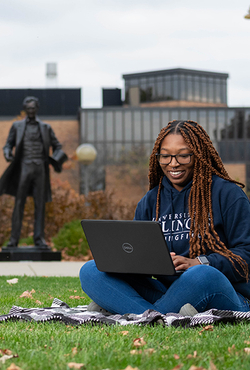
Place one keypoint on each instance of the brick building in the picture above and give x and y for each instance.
(58, 107)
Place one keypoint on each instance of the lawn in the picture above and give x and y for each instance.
(56, 346)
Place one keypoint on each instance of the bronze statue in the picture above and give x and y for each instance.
(28, 173)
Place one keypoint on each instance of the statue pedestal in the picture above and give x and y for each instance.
(29, 253)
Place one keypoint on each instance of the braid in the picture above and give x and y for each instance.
(155, 171)
(206, 163)
(158, 199)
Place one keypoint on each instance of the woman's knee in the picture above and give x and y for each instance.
(204, 275)
(86, 272)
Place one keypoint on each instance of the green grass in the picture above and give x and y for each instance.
(54, 345)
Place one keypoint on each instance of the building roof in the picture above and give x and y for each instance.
(176, 71)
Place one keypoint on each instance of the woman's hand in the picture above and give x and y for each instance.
(183, 263)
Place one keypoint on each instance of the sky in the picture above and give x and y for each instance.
(95, 42)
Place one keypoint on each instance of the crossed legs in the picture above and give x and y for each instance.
(204, 287)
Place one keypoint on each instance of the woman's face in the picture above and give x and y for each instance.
(178, 174)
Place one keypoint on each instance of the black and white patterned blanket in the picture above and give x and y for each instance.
(60, 311)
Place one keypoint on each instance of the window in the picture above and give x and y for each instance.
(150, 89)
(197, 88)
(212, 126)
(168, 88)
(221, 124)
(210, 90)
(127, 86)
(134, 82)
(182, 88)
(144, 97)
(143, 82)
(203, 89)
(175, 87)
(143, 90)
(224, 91)
(235, 126)
(230, 124)
(217, 91)
(159, 87)
(189, 88)
(239, 121)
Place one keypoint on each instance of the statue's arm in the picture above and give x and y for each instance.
(56, 145)
(10, 143)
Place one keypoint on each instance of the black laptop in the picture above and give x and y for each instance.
(136, 247)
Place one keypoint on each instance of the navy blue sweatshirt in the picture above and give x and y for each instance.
(231, 213)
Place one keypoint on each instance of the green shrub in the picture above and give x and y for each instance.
(26, 241)
(71, 239)
(23, 241)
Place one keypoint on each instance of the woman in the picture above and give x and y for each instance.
(204, 215)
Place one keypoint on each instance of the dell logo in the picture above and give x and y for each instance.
(127, 247)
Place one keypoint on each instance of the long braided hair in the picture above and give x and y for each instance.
(206, 163)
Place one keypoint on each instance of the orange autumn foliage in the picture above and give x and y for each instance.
(66, 205)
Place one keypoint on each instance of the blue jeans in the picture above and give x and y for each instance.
(204, 287)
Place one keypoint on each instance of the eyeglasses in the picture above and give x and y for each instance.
(180, 158)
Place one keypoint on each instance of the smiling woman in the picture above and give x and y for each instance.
(204, 218)
(178, 167)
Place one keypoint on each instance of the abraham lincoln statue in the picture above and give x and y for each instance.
(28, 172)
